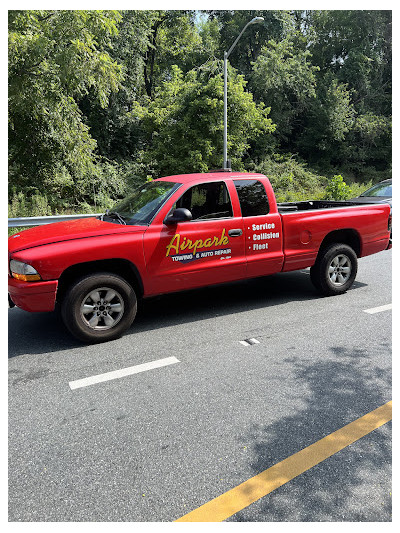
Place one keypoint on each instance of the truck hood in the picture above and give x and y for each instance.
(66, 231)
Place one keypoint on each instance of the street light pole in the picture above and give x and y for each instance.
(225, 110)
(255, 20)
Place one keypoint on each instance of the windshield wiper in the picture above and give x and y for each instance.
(114, 214)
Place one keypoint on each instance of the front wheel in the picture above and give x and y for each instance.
(99, 307)
(335, 269)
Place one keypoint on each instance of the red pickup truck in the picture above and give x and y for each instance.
(182, 232)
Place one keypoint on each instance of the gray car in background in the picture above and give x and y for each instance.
(381, 192)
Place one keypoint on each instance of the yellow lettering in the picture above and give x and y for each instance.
(173, 246)
(186, 244)
(197, 244)
(224, 239)
(176, 245)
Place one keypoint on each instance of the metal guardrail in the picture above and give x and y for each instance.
(40, 221)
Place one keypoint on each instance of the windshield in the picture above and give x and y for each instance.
(381, 189)
(142, 205)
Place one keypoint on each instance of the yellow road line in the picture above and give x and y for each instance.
(243, 495)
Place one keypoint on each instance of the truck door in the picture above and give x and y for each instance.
(262, 229)
(206, 250)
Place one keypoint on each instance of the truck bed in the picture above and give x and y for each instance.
(307, 205)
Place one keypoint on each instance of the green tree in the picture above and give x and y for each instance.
(147, 45)
(174, 41)
(328, 122)
(369, 146)
(353, 51)
(185, 121)
(284, 78)
(356, 47)
(55, 58)
(117, 136)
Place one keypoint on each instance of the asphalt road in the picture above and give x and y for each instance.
(155, 445)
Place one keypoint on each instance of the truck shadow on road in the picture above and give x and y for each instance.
(352, 485)
(209, 302)
(45, 332)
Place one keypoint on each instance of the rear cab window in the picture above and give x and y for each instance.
(253, 197)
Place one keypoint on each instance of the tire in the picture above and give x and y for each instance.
(335, 269)
(99, 307)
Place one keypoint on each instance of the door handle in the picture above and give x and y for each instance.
(235, 232)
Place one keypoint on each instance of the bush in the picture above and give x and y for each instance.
(20, 207)
(359, 188)
(109, 182)
(291, 179)
(337, 189)
(35, 206)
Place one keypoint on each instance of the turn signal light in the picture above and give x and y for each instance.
(26, 277)
(23, 271)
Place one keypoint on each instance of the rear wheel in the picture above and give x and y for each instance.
(99, 307)
(335, 269)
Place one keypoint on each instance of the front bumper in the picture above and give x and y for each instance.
(35, 296)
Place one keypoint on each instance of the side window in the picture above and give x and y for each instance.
(207, 200)
(253, 197)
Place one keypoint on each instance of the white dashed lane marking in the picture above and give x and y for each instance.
(374, 310)
(116, 374)
(249, 342)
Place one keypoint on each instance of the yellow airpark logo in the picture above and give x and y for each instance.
(178, 245)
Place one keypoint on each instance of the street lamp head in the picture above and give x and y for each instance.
(255, 20)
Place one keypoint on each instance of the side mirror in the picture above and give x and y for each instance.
(179, 215)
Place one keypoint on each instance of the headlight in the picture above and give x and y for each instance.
(23, 271)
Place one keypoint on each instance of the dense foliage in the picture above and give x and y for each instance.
(100, 101)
